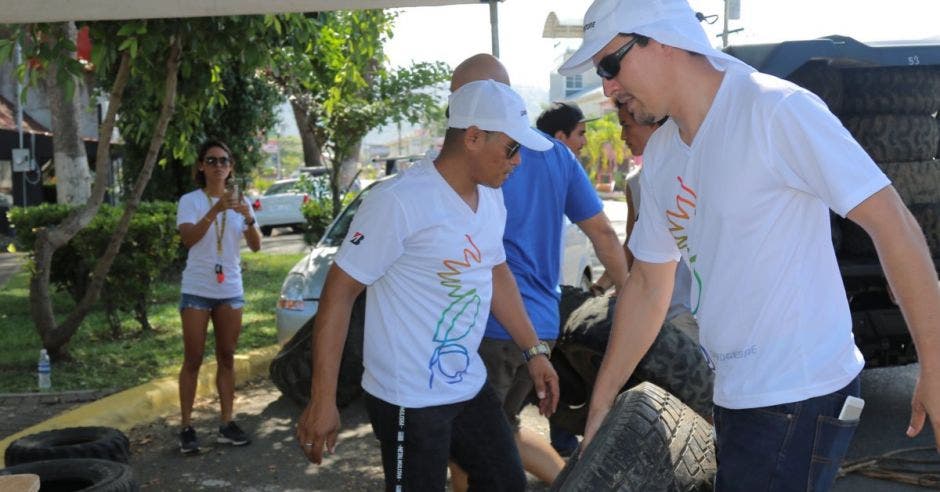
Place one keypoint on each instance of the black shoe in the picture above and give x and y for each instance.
(230, 433)
(189, 443)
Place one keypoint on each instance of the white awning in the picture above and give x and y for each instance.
(30, 11)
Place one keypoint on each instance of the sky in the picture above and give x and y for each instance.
(453, 33)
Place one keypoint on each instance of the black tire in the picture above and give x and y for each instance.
(75, 442)
(87, 475)
(674, 361)
(820, 78)
(918, 183)
(895, 137)
(571, 414)
(902, 90)
(571, 298)
(650, 441)
(857, 243)
(292, 371)
(266, 231)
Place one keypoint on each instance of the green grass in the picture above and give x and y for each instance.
(100, 361)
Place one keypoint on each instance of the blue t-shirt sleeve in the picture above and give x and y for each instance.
(581, 201)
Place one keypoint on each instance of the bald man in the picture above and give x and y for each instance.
(543, 189)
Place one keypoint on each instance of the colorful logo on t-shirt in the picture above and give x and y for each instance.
(357, 238)
(678, 222)
(450, 360)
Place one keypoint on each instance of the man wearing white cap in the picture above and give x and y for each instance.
(738, 184)
(428, 244)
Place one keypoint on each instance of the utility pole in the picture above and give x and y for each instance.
(732, 11)
(494, 27)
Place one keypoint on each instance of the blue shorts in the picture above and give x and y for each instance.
(192, 301)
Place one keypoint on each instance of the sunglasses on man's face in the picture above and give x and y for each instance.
(609, 66)
(217, 161)
(512, 148)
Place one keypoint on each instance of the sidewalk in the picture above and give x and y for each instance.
(10, 264)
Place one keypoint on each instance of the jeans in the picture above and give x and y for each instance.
(192, 301)
(790, 447)
(417, 442)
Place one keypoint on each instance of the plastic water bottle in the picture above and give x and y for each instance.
(45, 371)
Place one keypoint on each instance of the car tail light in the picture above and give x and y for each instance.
(306, 198)
(257, 204)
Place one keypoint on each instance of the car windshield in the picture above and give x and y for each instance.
(285, 187)
(335, 235)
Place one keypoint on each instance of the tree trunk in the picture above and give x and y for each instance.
(48, 240)
(307, 135)
(56, 338)
(349, 167)
(73, 178)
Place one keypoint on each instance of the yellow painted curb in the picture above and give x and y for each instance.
(149, 401)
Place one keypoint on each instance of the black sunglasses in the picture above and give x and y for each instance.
(217, 161)
(511, 148)
(609, 66)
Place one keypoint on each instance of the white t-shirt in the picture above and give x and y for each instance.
(747, 205)
(428, 260)
(199, 276)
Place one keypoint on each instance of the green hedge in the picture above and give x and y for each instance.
(150, 249)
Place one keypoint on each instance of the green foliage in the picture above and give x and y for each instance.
(337, 71)
(319, 214)
(100, 360)
(150, 248)
(604, 148)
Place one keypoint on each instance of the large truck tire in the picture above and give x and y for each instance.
(822, 79)
(650, 441)
(571, 298)
(292, 370)
(917, 183)
(571, 414)
(674, 361)
(87, 475)
(903, 90)
(103, 443)
(895, 137)
(857, 243)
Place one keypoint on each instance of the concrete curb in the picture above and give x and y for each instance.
(149, 401)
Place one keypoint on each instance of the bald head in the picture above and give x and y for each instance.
(478, 67)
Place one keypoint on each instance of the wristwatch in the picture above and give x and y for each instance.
(540, 348)
(251, 223)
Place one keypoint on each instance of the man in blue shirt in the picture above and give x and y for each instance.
(543, 189)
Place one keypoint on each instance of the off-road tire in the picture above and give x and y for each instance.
(75, 442)
(902, 90)
(917, 183)
(266, 231)
(820, 78)
(571, 414)
(79, 474)
(292, 371)
(650, 441)
(895, 137)
(857, 243)
(674, 361)
(571, 298)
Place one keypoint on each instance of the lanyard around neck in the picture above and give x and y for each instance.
(219, 232)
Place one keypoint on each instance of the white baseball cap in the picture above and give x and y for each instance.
(494, 106)
(669, 22)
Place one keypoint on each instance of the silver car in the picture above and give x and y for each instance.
(300, 294)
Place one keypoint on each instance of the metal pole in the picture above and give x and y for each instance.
(494, 27)
(724, 32)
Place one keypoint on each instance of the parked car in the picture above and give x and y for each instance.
(300, 293)
(280, 204)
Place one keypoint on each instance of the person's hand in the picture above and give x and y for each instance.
(924, 403)
(596, 416)
(242, 208)
(546, 383)
(318, 427)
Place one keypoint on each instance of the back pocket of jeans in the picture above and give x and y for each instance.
(833, 437)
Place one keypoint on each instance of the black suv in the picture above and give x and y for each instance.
(888, 96)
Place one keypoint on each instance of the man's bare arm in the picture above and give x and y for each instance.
(912, 276)
(607, 247)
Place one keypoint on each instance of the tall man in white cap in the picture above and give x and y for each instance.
(739, 182)
(428, 244)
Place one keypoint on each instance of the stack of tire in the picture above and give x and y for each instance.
(291, 371)
(892, 113)
(90, 459)
(656, 437)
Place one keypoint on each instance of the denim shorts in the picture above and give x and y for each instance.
(192, 301)
(791, 447)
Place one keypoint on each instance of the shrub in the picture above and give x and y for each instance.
(150, 248)
(319, 213)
